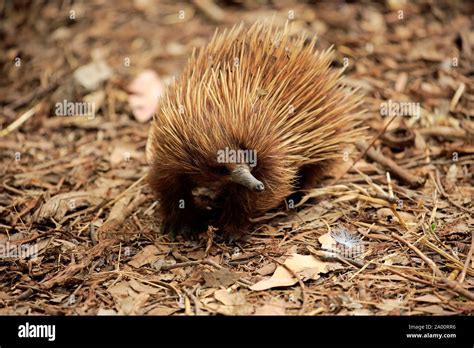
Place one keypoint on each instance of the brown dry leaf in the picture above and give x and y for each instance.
(327, 241)
(196, 255)
(139, 287)
(396, 259)
(164, 311)
(132, 304)
(120, 289)
(428, 298)
(233, 303)
(148, 255)
(306, 266)
(106, 311)
(360, 312)
(194, 278)
(434, 309)
(386, 215)
(270, 309)
(267, 269)
(146, 89)
(222, 277)
(59, 205)
(128, 301)
(389, 304)
(229, 299)
(58, 298)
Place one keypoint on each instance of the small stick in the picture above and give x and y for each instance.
(179, 265)
(412, 180)
(126, 191)
(19, 121)
(437, 181)
(454, 285)
(197, 307)
(390, 189)
(444, 132)
(412, 278)
(468, 259)
(364, 151)
(457, 96)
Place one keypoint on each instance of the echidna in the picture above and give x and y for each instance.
(256, 116)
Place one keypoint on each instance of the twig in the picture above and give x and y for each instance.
(330, 255)
(19, 121)
(453, 285)
(126, 191)
(364, 151)
(468, 260)
(42, 91)
(412, 278)
(181, 264)
(412, 180)
(197, 307)
(457, 96)
(444, 132)
(440, 187)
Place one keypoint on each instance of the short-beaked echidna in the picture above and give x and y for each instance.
(256, 116)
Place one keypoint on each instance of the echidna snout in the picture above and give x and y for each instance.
(242, 175)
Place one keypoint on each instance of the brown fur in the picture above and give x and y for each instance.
(251, 89)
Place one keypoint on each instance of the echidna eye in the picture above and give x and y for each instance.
(220, 170)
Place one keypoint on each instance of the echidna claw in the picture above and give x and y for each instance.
(232, 235)
(187, 230)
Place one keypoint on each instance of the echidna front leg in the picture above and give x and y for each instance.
(177, 209)
(235, 210)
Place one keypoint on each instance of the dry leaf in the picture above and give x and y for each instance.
(267, 269)
(222, 277)
(434, 309)
(59, 205)
(162, 311)
(327, 241)
(103, 311)
(389, 304)
(306, 266)
(148, 255)
(139, 287)
(128, 301)
(120, 289)
(196, 255)
(428, 298)
(270, 309)
(229, 299)
(233, 303)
